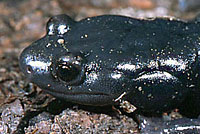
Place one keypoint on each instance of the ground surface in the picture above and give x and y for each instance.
(24, 107)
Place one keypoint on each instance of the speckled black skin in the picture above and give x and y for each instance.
(153, 63)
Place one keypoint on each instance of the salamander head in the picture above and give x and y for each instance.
(61, 69)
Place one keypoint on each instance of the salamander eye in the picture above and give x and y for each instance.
(68, 69)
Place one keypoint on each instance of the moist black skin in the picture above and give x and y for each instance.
(151, 63)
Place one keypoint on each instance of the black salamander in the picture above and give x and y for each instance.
(152, 65)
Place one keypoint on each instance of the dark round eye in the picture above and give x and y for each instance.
(67, 72)
(29, 69)
(69, 68)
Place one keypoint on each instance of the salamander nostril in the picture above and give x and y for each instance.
(29, 69)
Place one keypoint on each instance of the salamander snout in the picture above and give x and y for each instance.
(33, 64)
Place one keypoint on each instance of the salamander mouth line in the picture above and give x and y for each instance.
(78, 93)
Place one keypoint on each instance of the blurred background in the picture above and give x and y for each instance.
(23, 106)
(22, 21)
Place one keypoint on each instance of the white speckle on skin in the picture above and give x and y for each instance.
(51, 27)
(127, 67)
(91, 77)
(61, 41)
(86, 35)
(199, 51)
(187, 127)
(140, 88)
(94, 74)
(48, 45)
(152, 64)
(116, 76)
(156, 75)
(173, 62)
(62, 29)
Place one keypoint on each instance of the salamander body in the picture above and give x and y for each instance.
(152, 64)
